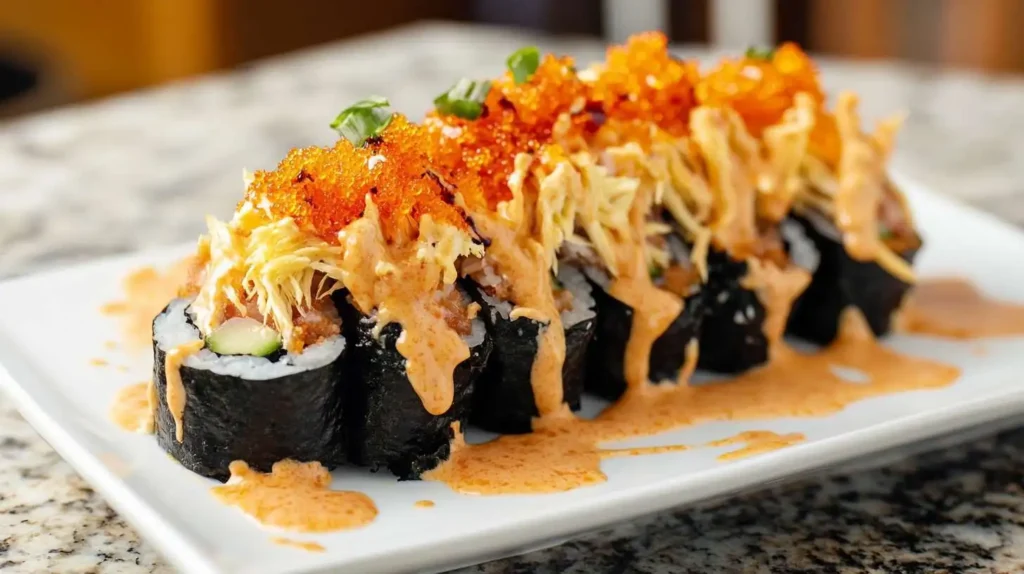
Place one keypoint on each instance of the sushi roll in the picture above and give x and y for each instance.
(607, 355)
(840, 281)
(390, 427)
(238, 395)
(733, 337)
(503, 400)
(368, 230)
(523, 206)
(861, 237)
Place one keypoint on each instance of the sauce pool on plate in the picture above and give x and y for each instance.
(955, 308)
(565, 454)
(295, 496)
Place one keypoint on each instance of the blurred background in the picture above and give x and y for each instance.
(55, 52)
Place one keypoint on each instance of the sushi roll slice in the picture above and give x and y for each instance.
(840, 281)
(733, 337)
(860, 231)
(503, 400)
(607, 354)
(238, 395)
(524, 207)
(389, 426)
(371, 229)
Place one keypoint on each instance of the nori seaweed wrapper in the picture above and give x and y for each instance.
(503, 401)
(386, 424)
(732, 338)
(839, 282)
(606, 354)
(229, 418)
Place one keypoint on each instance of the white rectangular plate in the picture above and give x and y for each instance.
(51, 327)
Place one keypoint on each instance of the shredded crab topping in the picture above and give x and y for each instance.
(274, 264)
(286, 232)
(601, 157)
(853, 193)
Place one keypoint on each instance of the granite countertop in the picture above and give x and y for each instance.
(140, 170)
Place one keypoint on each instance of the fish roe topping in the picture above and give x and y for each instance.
(324, 188)
(516, 118)
(761, 87)
(642, 83)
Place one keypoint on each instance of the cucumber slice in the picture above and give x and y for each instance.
(243, 336)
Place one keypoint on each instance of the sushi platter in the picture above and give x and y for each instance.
(566, 298)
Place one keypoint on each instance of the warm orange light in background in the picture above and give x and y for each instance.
(90, 48)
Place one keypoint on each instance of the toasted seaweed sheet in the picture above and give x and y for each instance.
(732, 336)
(839, 282)
(503, 400)
(226, 418)
(386, 424)
(606, 354)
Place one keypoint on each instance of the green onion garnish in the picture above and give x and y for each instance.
(758, 53)
(465, 99)
(363, 120)
(884, 232)
(655, 271)
(523, 63)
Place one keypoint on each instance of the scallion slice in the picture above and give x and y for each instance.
(759, 53)
(523, 63)
(363, 120)
(465, 99)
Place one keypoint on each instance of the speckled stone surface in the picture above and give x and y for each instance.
(141, 170)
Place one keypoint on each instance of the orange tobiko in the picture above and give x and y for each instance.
(325, 188)
(761, 88)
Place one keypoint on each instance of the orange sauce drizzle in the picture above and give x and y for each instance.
(132, 410)
(757, 442)
(424, 504)
(523, 259)
(777, 289)
(403, 293)
(566, 454)
(295, 496)
(175, 388)
(146, 293)
(654, 309)
(97, 362)
(300, 544)
(642, 450)
(955, 308)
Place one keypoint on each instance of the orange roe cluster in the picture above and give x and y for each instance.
(515, 119)
(324, 188)
(642, 83)
(759, 89)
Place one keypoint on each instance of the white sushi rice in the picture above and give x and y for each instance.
(802, 251)
(475, 337)
(582, 301)
(572, 279)
(172, 329)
